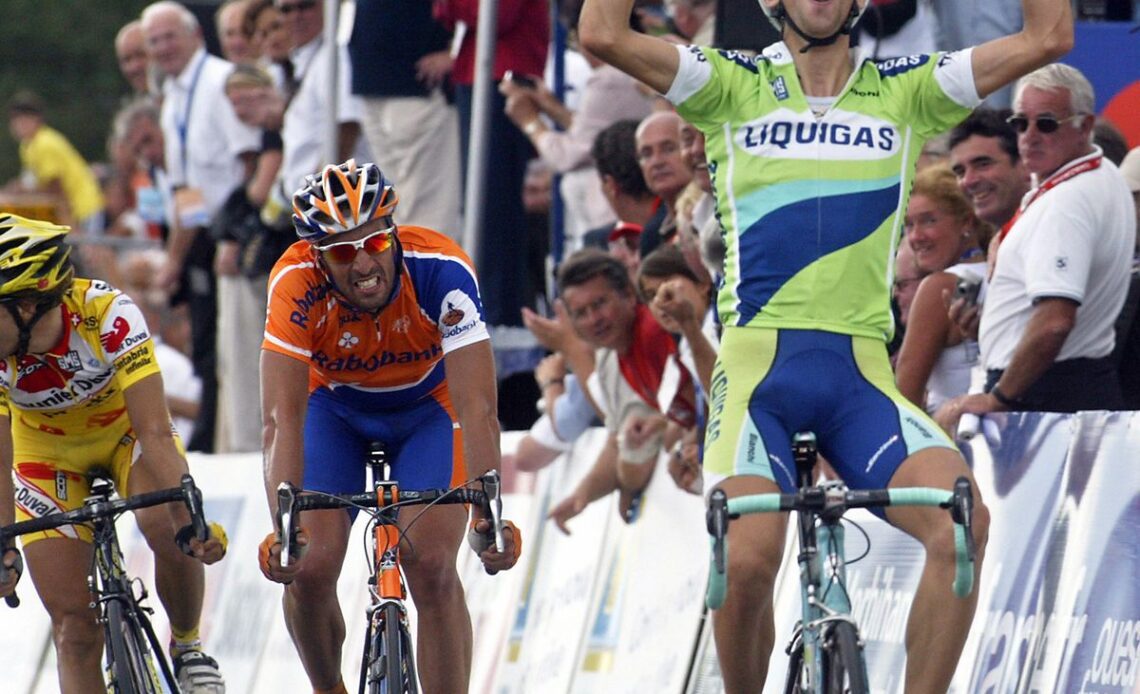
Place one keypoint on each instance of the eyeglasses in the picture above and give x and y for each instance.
(344, 252)
(1045, 124)
(297, 6)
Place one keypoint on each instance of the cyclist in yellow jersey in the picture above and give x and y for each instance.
(80, 388)
(812, 153)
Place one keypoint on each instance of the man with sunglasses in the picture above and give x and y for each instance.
(1062, 268)
(812, 154)
(376, 333)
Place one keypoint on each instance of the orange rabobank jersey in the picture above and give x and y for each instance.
(385, 360)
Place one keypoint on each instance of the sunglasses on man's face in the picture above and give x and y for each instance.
(296, 6)
(1045, 124)
(344, 252)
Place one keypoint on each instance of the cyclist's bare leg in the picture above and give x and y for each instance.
(743, 626)
(939, 622)
(179, 580)
(59, 568)
(443, 648)
(312, 610)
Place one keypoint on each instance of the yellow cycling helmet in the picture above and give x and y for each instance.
(35, 266)
(35, 260)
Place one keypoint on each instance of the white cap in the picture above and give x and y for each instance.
(1130, 167)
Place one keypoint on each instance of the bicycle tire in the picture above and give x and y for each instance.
(795, 672)
(845, 672)
(127, 653)
(392, 668)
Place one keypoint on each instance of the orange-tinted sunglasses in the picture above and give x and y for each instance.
(344, 252)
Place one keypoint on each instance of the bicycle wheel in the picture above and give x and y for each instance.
(127, 655)
(795, 672)
(391, 668)
(843, 666)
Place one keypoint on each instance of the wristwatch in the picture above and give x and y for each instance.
(1005, 400)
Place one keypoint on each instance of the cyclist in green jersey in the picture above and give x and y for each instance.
(812, 156)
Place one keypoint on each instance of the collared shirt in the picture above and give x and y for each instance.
(199, 122)
(1074, 241)
(306, 126)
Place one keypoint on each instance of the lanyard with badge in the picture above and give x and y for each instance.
(189, 203)
(1050, 183)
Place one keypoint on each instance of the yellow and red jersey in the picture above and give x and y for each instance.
(78, 384)
(383, 360)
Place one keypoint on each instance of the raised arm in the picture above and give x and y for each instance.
(603, 29)
(1046, 35)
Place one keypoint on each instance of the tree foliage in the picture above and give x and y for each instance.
(64, 51)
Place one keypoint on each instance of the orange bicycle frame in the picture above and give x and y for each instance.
(386, 547)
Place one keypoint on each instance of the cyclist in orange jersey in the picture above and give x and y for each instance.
(376, 333)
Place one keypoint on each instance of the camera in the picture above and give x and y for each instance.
(521, 80)
(967, 290)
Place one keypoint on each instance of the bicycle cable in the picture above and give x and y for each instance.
(375, 513)
(832, 552)
(866, 541)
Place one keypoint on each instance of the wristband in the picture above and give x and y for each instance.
(1005, 400)
(531, 129)
(546, 384)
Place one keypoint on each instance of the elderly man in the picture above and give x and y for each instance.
(208, 153)
(1062, 267)
(665, 170)
(130, 51)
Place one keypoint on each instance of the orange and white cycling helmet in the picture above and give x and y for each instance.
(341, 198)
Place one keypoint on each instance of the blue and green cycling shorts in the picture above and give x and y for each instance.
(769, 384)
(423, 441)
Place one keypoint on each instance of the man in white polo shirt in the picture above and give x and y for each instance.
(1062, 267)
(305, 129)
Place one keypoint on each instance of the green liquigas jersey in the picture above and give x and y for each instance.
(812, 200)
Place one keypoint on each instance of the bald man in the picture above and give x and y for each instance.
(665, 170)
(130, 51)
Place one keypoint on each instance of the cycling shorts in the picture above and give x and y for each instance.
(51, 470)
(423, 441)
(769, 384)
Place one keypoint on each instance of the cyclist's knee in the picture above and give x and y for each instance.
(316, 579)
(940, 543)
(754, 561)
(431, 574)
(159, 528)
(76, 633)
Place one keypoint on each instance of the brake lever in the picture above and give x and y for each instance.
(492, 487)
(962, 512)
(286, 494)
(716, 521)
(193, 498)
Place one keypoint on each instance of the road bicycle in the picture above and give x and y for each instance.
(388, 665)
(134, 655)
(826, 651)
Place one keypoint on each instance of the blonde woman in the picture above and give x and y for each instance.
(947, 239)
